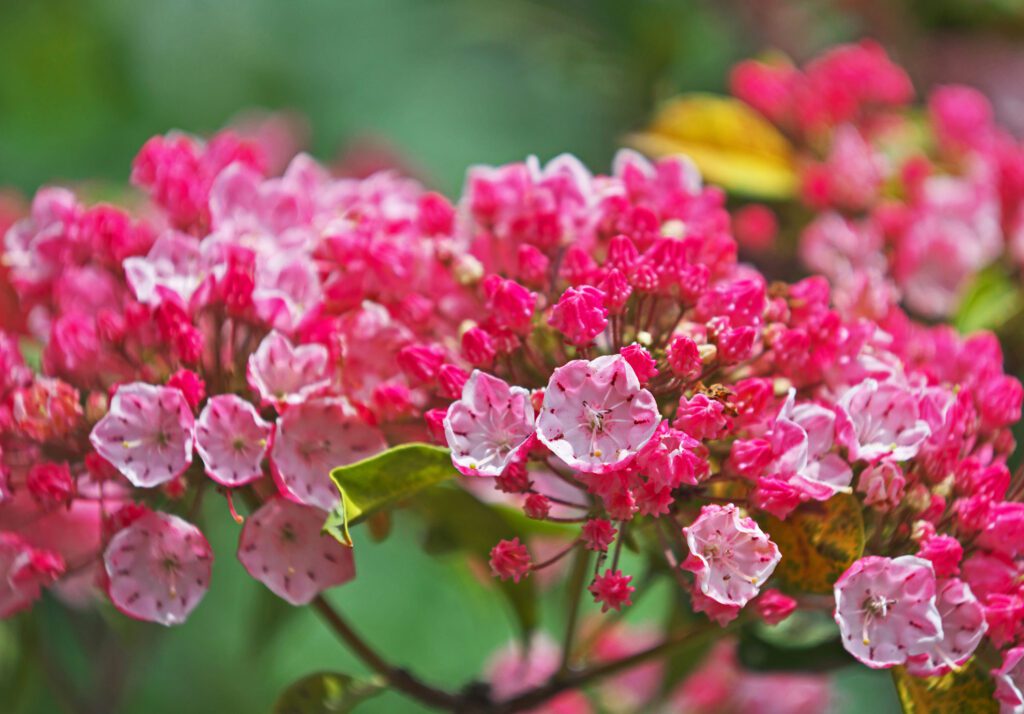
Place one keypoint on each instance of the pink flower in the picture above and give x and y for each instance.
(729, 554)
(673, 458)
(612, 590)
(421, 361)
(282, 546)
(147, 434)
(478, 347)
(886, 610)
(158, 568)
(313, 438)
(598, 534)
(882, 484)
(877, 419)
(516, 669)
(716, 611)
(231, 439)
(189, 384)
(595, 416)
(963, 625)
(644, 366)
(488, 426)
(284, 374)
(773, 606)
(172, 270)
(755, 227)
(580, 314)
(510, 559)
(1010, 682)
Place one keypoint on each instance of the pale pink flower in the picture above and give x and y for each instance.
(282, 373)
(147, 434)
(231, 439)
(171, 270)
(488, 426)
(963, 625)
(282, 546)
(158, 568)
(514, 670)
(595, 416)
(886, 610)
(313, 438)
(877, 419)
(730, 555)
(1010, 682)
(24, 571)
(882, 484)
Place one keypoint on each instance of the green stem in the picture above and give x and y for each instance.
(577, 581)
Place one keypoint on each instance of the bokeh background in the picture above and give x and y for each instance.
(431, 86)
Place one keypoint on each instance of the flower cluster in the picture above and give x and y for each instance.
(907, 209)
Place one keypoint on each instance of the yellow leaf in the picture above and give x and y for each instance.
(818, 542)
(969, 690)
(730, 143)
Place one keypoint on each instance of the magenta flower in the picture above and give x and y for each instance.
(313, 438)
(963, 625)
(281, 546)
(25, 571)
(284, 374)
(886, 610)
(876, 419)
(729, 554)
(158, 568)
(488, 426)
(580, 314)
(147, 434)
(231, 439)
(612, 590)
(595, 416)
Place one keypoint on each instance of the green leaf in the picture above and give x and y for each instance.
(819, 541)
(989, 302)
(327, 693)
(804, 641)
(384, 480)
(968, 690)
(459, 522)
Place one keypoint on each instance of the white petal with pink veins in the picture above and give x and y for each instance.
(158, 568)
(312, 439)
(281, 546)
(232, 440)
(284, 374)
(147, 433)
(172, 267)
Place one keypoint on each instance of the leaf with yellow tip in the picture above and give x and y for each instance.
(731, 144)
(819, 541)
(968, 690)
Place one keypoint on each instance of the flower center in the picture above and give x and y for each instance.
(595, 417)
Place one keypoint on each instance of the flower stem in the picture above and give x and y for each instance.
(577, 581)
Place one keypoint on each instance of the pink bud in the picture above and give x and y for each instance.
(641, 361)
(435, 424)
(451, 380)
(735, 345)
(537, 506)
(478, 347)
(509, 303)
(190, 384)
(421, 362)
(684, 358)
(50, 483)
(580, 314)
(533, 265)
(882, 484)
(514, 479)
(944, 552)
(755, 227)
(616, 289)
(773, 606)
(598, 534)
(701, 417)
(510, 559)
(612, 590)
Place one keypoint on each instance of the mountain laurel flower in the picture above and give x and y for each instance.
(580, 314)
(509, 303)
(232, 440)
(190, 384)
(882, 484)
(963, 625)
(510, 560)
(944, 552)
(489, 425)
(886, 609)
(595, 416)
(537, 506)
(598, 534)
(283, 374)
(730, 555)
(281, 546)
(478, 347)
(877, 419)
(50, 484)
(1010, 681)
(701, 417)
(158, 568)
(147, 434)
(612, 590)
(421, 362)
